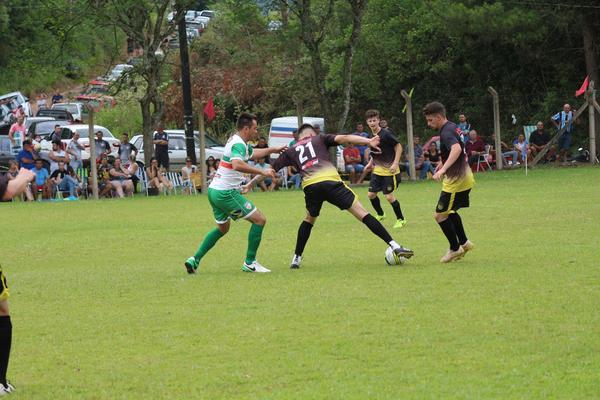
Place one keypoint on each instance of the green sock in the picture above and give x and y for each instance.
(254, 237)
(209, 241)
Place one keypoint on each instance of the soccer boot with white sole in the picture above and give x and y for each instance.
(191, 265)
(6, 389)
(254, 267)
(452, 255)
(467, 246)
(296, 262)
(403, 252)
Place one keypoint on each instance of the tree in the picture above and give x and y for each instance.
(144, 22)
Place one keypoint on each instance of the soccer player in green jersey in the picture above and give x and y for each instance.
(225, 194)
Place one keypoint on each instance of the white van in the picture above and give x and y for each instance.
(281, 134)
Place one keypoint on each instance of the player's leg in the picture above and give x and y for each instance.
(220, 208)
(375, 186)
(258, 221)
(5, 336)
(443, 209)
(302, 238)
(390, 185)
(378, 229)
(313, 198)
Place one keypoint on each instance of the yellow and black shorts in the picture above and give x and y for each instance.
(450, 202)
(334, 192)
(4, 294)
(384, 183)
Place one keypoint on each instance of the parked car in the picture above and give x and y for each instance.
(178, 149)
(35, 120)
(67, 134)
(207, 13)
(118, 71)
(78, 110)
(45, 127)
(95, 89)
(6, 154)
(6, 115)
(56, 114)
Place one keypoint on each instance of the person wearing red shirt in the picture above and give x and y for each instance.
(475, 147)
(353, 162)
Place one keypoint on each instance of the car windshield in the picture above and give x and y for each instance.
(69, 107)
(210, 142)
(47, 127)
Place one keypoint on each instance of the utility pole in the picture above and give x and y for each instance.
(186, 86)
(498, 139)
(92, 143)
(409, 136)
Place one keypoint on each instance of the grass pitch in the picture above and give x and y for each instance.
(102, 307)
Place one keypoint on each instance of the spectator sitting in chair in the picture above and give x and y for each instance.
(506, 151)
(105, 188)
(421, 163)
(77, 179)
(132, 169)
(27, 156)
(56, 155)
(13, 172)
(186, 173)
(157, 177)
(41, 179)
(294, 177)
(538, 140)
(522, 148)
(475, 147)
(266, 184)
(432, 159)
(62, 181)
(120, 179)
(364, 150)
(353, 163)
(212, 165)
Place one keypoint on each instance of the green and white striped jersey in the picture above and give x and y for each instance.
(226, 178)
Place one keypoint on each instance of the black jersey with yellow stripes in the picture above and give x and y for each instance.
(310, 156)
(384, 158)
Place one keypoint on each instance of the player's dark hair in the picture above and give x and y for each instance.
(304, 127)
(372, 114)
(435, 107)
(245, 120)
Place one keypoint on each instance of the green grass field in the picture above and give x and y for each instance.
(102, 307)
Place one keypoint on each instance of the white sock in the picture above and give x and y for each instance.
(394, 245)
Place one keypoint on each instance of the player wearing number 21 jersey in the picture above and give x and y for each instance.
(321, 182)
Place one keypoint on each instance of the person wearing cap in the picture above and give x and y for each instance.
(102, 147)
(26, 157)
(56, 155)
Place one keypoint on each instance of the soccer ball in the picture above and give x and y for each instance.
(391, 258)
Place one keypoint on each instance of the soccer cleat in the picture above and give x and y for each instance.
(380, 217)
(6, 389)
(403, 252)
(254, 267)
(296, 262)
(191, 265)
(452, 255)
(468, 246)
(399, 223)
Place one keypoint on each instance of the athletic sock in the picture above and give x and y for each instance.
(209, 241)
(376, 227)
(377, 205)
(303, 235)
(254, 237)
(5, 343)
(458, 227)
(397, 210)
(448, 229)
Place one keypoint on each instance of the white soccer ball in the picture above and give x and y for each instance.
(391, 258)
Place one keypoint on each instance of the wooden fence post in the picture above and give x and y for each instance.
(498, 139)
(409, 134)
(592, 124)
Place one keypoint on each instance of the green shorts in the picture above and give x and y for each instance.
(229, 204)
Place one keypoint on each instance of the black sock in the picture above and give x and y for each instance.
(448, 229)
(5, 342)
(303, 235)
(397, 210)
(376, 227)
(377, 206)
(458, 227)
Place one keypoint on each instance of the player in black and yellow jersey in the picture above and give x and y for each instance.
(8, 190)
(321, 182)
(386, 171)
(457, 181)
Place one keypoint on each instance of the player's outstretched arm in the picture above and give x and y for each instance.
(244, 168)
(18, 185)
(358, 140)
(263, 153)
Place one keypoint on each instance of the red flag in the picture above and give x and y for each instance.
(583, 87)
(209, 110)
